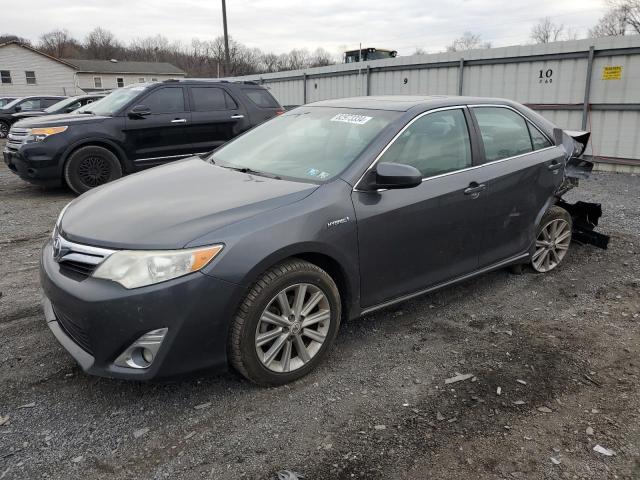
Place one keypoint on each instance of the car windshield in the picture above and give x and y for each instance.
(113, 102)
(12, 103)
(61, 104)
(312, 144)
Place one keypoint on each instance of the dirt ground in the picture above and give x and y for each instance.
(554, 358)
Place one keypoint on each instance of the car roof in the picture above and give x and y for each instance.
(43, 96)
(403, 103)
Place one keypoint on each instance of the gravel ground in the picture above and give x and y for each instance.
(555, 360)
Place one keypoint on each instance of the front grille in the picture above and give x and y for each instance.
(16, 137)
(82, 270)
(73, 329)
(77, 261)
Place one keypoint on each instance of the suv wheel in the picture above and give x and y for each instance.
(285, 324)
(552, 239)
(90, 167)
(4, 129)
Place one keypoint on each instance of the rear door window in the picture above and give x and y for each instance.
(261, 97)
(504, 133)
(436, 143)
(165, 100)
(207, 99)
(33, 104)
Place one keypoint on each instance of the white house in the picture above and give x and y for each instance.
(96, 75)
(26, 71)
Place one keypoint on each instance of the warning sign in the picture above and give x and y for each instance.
(612, 73)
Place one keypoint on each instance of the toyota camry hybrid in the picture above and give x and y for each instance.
(252, 256)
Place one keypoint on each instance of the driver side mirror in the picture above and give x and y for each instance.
(139, 111)
(17, 108)
(392, 176)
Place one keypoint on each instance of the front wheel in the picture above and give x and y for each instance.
(285, 324)
(91, 166)
(4, 129)
(552, 240)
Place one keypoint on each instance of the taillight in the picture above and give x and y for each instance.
(279, 112)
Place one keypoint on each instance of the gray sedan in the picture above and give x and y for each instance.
(252, 256)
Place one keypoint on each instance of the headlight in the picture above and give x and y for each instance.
(133, 269)
(39, 134)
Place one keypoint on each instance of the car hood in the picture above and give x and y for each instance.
(169, 206)
(62, 119)
(31, 113)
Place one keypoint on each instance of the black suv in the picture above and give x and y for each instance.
(24, 104)
(133, 128)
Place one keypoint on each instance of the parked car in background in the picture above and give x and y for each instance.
(66, 105)
(252, 255)
(133, 128)
(24, 104)
(5, 100)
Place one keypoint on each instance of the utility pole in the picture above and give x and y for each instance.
(227, 66)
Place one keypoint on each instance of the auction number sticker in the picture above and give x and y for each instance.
(351, 118)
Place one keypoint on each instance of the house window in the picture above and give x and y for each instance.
(5, 76)
(141, 80)
(154, 79)
(31, 77)
(120, 82)
(97, 82)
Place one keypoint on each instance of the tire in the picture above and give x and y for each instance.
(4, 129)
(553, 238)
(89, 167)
(292, 278)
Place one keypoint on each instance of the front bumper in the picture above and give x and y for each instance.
(96, 320)
(35, 164)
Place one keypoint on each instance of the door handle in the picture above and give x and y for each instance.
(238, 116)
(474, 189)
(554, 166)
(179, 120)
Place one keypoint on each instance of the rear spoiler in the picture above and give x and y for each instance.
(574, 142)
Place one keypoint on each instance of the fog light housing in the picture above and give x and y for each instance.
(141, 353)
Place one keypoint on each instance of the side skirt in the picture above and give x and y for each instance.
(495, 266)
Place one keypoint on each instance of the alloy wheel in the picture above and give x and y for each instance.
(4, 130)
(94, 171)
(293, 327)
(552, 245)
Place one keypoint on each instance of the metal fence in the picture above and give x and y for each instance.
(591, 84)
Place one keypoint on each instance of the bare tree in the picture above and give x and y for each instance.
(59, 43)
(622, 18)
(546, 31)
(321, 58)
(468, 41)
(101, 44)
(8, 37)
(419, 51)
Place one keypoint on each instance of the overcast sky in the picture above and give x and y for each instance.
(280, 25)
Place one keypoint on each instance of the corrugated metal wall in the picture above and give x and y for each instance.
(551, 78)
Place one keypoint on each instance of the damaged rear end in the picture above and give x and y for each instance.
(585, 215)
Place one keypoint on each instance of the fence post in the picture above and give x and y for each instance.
(460, 76)
(368, 85)
(304, 88)
(587, 88)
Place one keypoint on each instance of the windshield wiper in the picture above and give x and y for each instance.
(252, 171)
(86, 111)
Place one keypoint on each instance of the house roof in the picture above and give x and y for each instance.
(28, 47)
(108, 66)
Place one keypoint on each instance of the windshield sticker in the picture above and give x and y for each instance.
(312, 172)
(323, 175)
(351, 118)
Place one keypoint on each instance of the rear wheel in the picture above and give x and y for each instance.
(285, 324)
(552, 240)
(91, 166)
(4, 129)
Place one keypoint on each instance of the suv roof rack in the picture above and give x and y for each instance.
(210, 80)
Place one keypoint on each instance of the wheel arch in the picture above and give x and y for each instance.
(330, 261)
(107, 144)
